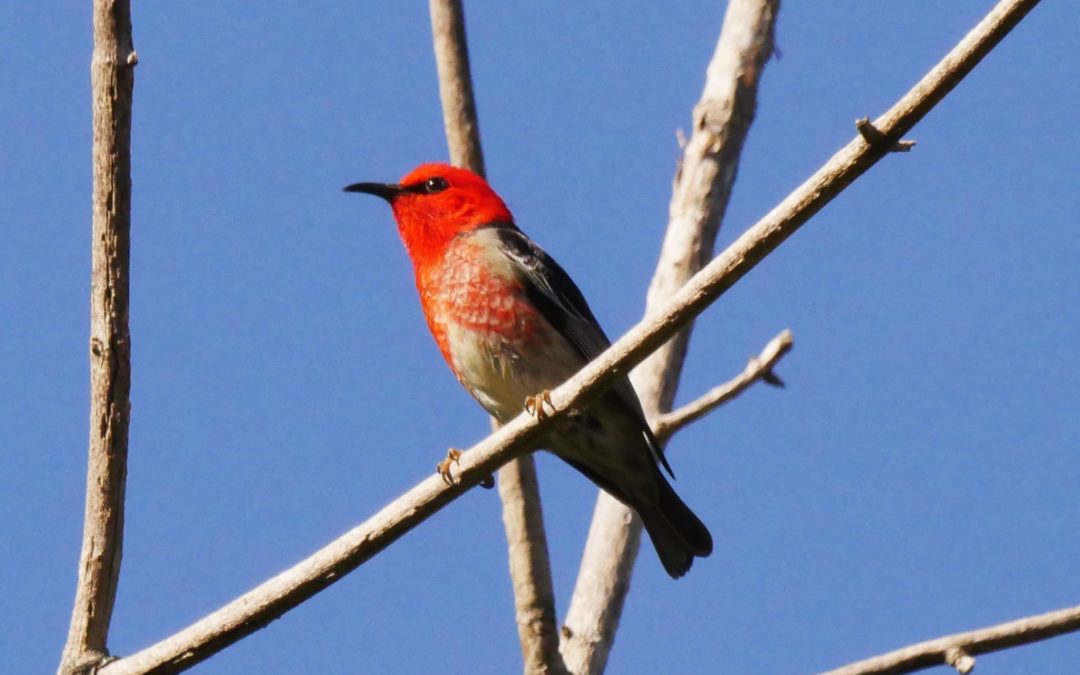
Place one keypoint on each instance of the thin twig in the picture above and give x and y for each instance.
(273, 598)
(112, 84)
(519, 491)
(702, 187)
(760, 367)
(952, 649)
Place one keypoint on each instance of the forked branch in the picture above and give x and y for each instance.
(759, 368)
(702, 187)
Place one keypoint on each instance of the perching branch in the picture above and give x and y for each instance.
(266, 602)
(519, 491)
(759, 368)
(273, 598)
(112, 76)
(702, 187)
(958, 650)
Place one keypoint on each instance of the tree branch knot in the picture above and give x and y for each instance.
(959, 659)
(873, 136)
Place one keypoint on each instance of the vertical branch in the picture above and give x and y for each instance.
(519, 491)
(112, 82)
(455, 85)
(702, 186)
(530, 568)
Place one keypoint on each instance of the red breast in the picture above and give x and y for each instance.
(473, 288)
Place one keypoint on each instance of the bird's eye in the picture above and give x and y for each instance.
(436, 184)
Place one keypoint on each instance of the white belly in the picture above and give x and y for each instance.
(501, 373)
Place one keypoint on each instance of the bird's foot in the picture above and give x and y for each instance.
(534, 405)
(453, 456)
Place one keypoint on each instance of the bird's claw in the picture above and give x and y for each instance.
(534, 405)
(453, 456)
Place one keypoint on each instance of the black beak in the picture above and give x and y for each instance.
(386, 191)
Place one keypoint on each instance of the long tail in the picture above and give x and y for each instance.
(677, 534)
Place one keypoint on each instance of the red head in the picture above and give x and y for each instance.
(435, 202)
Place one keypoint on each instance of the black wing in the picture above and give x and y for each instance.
(561, 303)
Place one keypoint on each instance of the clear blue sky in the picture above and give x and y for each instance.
(918, 476)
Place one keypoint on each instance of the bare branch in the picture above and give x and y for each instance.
(700, 194)
(519, 491)
(957, 650)
(530, 567)
(258, 607)
(288, 589)
(455, 84)
(759, 368)
(112, 82)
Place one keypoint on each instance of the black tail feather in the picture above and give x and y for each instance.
(676, 533)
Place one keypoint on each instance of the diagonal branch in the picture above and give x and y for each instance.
(759, 368)
(112, 84)
(700, 194)
(273, 598)
(957, 650)
(519, 491)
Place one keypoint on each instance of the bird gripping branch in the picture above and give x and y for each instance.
(512, 325)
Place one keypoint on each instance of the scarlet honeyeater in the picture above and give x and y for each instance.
(512, 325)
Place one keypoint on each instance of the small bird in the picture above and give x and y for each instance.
(512, 325)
